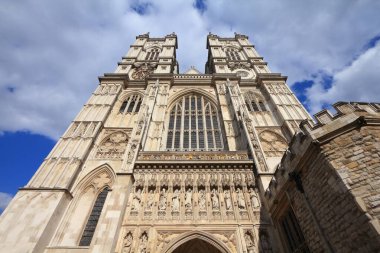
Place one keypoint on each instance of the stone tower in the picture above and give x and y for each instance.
(158, 161)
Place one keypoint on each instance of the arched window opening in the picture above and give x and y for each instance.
(152, 55)
(254, 103)
(194, 125)
(131, 104)
(93, 219)
(233, 54)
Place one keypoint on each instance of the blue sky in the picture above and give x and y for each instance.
(51, 53)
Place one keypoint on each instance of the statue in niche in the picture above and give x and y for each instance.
(136, 202)
(254, 199)
(127, 243)
(175, 201)
(189, 199)
(240, 199)
(202, 200)
(227, 200)
(162, 203)
(139, 127)
(249, 242)
(143, 243)
(150, 200)
(214, 199)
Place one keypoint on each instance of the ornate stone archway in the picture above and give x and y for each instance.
(196, 240)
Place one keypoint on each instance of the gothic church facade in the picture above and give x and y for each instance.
(158, 161)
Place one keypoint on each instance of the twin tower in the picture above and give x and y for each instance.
(158, 161)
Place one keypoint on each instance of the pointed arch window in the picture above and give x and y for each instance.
(131, 104)
(254, 103)
(93, 219)
(233, 54)
(194, 125)
(152, 54)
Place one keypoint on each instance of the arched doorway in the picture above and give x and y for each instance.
(197, 242)
(196, 246)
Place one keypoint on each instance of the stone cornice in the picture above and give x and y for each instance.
(261, 77)
(46, 189)
(112, 77)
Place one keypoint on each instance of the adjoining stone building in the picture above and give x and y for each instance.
(325, 194)
(158, 161)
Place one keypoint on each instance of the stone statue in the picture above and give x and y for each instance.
(150, 200)
(249, 242)
(227, 199)
(127, 244)
(189, 199)
(240, 199)
(143, 243)
(202, 200)
(214, 199)
(162, 203)
(136, 202)
(254, 199)
(175, 201)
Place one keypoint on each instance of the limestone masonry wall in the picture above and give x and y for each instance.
(336, 198)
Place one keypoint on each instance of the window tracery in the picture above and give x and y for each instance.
(194, 125)
(131, 104)
(254, 103)
(233, 54)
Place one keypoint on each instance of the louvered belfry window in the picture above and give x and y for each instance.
(93, 219)
(194, 125)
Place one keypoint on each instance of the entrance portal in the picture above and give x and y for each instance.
(196, 246)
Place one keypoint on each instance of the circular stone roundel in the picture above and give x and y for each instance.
(244, 74)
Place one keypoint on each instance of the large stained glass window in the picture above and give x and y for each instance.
(194, 125)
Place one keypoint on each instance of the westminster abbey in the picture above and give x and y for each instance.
(228, 161)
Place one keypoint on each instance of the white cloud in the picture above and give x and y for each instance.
(5, 198)
(357, 82)
(51, 52)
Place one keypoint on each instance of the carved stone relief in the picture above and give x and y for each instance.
(254, 198)
(143, 244)
(273, 144)
(239, 65)
(144, 156)
(127, 243)
(189, 199)
(249, 241)
(240, 199)
(204, 195)
(142, 70)
(113, 146)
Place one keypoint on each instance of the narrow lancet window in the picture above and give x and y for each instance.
(93, 219)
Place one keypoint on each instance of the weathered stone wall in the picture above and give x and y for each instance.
(338, 161)
(327, 178)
